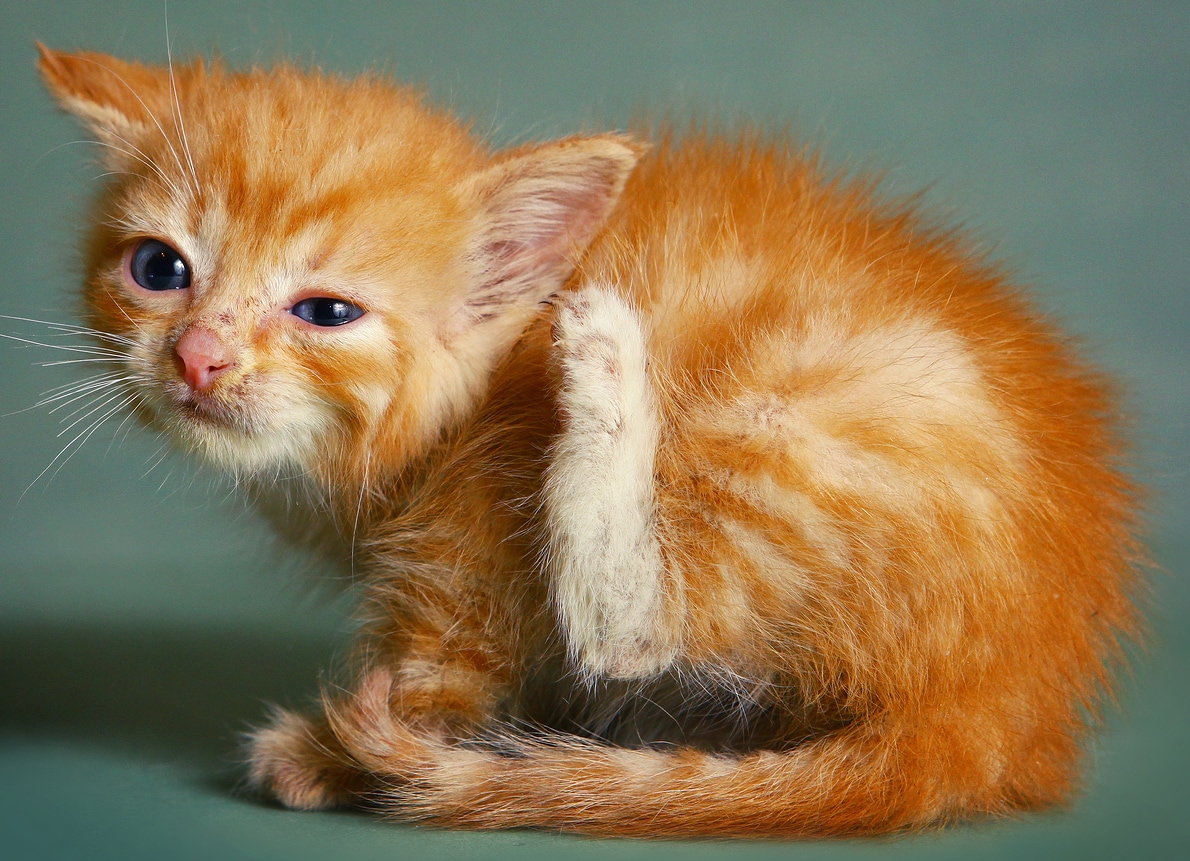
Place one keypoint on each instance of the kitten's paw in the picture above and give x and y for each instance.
(600, 348)
(292, 761)
(607, 567)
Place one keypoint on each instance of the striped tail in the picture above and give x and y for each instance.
(854, 781)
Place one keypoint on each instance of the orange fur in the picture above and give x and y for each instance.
(892, 549)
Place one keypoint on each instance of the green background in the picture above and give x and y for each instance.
(145, 615)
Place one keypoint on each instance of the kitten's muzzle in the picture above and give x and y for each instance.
(202, 357)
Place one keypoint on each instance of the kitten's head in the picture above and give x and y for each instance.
(316, 272)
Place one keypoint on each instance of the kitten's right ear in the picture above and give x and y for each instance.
(112, 97)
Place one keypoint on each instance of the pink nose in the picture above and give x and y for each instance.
(202, 357)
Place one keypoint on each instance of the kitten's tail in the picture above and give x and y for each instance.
(850, 782)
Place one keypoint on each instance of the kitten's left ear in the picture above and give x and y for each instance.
(114, 98)
(542, 206)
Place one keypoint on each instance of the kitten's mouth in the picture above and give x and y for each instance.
(208, 411)
(233, 427)
(204, 411)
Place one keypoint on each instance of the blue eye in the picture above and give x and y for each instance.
(156, 266)
(324, 311)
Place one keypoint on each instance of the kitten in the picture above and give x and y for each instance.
(697, 491)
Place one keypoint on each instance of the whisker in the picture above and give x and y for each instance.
(80, 439)
(120, 308)
(109, 337)
(73, 383)
(162, 453)
(70, 348)
(136, 154)
(90, 432)
(176, 105)
(63, 391)
(103, 402)
(70, 328)
(150, 113)
(108, 173)
(359, 505)
(54, 149)
(120, 427)
(81, 393)
(105, 360)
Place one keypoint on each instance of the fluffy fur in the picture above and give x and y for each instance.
(696, 492)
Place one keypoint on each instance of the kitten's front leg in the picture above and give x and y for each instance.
(609, 578)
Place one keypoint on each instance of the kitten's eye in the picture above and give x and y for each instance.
(156, 266)
(324, 311)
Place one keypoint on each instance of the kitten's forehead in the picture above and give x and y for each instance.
(285, 148)
(239, 260)
(274, 184)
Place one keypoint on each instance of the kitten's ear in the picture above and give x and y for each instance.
(542, 206)
(111, 96)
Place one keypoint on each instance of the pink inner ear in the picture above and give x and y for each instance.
(543, 215)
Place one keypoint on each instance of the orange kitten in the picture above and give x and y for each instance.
(698, 493)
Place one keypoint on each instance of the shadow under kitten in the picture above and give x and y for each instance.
(152, 691)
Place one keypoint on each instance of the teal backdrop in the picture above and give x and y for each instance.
(146, 616)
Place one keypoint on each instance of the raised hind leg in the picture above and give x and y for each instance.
(609, 583)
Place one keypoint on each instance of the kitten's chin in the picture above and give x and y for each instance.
(243, 435)
(234, 444)
(237, 451)
(209, 414)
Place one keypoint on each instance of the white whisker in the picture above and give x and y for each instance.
(134, 152)
(98, 423)
(74, 384)
(176, 106)
(121, 427)
(71, 348)
(105, 360)
(89, 403)
(76, 394)
(63, 391)
(173, 151)
(120, 308)
(80, 439)
(70, 328)
(137, 154)
(102, 402)
(169, 191)
(161, 453)
(359, 505)
(79, 382)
